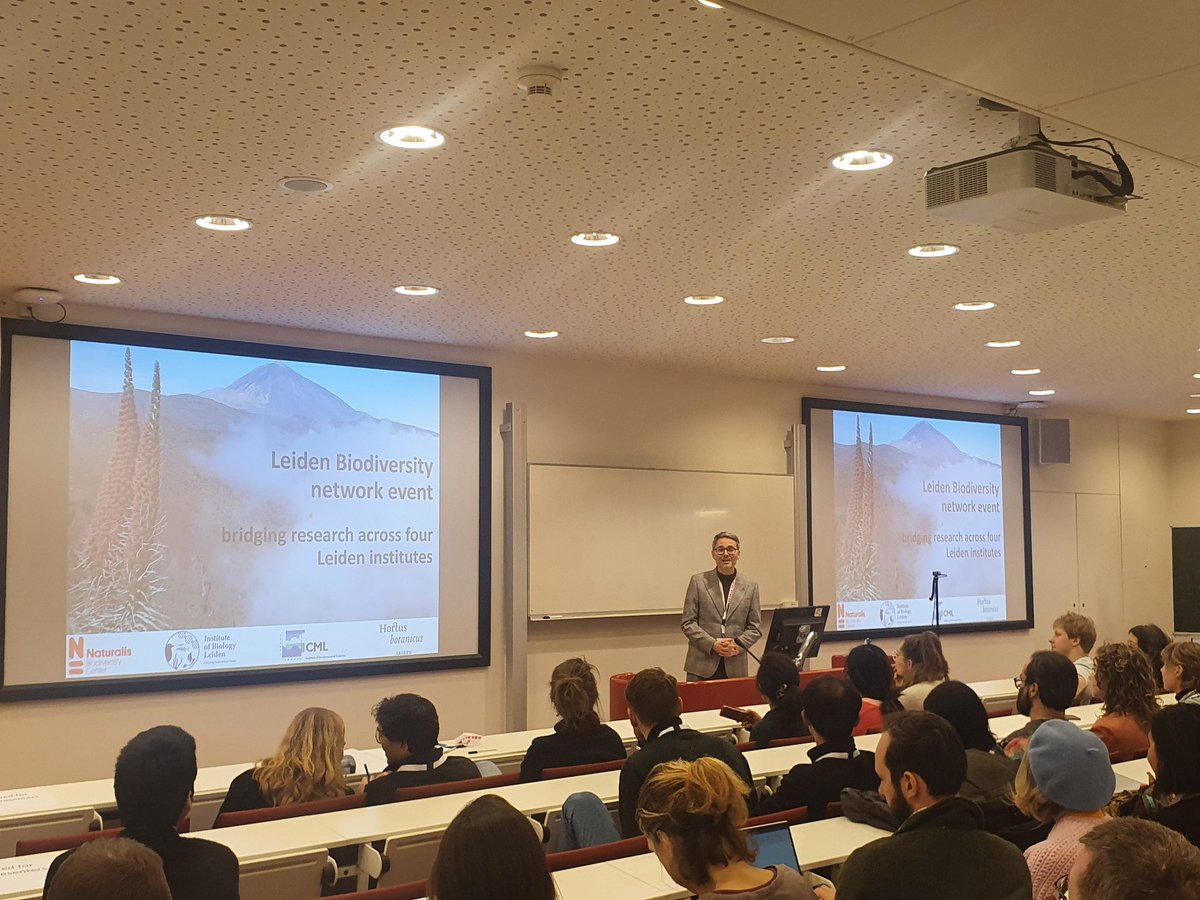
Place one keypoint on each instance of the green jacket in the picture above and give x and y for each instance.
(941, 851)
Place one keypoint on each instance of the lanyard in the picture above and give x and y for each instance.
(725, 608)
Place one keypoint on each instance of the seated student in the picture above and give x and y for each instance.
(940, 848)
(1073, 636)
(1150, 639)
(490, 850)
(692, 814)
(1122, 679)
(407, 730)
(990, 773)
(111, 868)
(153, 783)
(1181, 670)
(870, 671)
(579, 735)
(920, 667)
(1065, 778)
(1125, 859)
(653, 699)
(1045, 688)
(831, 708)
(1174, 797)
(306, 767)
(778, 680)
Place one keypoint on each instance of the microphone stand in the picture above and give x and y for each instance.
(937, 603)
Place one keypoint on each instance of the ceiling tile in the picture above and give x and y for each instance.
(850, 22)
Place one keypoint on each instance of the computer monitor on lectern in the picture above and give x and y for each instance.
(797, 631)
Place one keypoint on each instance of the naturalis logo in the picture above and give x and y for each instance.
(81, 658)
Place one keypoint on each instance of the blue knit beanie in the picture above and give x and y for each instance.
(1070, 766)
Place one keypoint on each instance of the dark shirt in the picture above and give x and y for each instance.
(941, 851)
(665, 743)
(428, 768)
(1179, 812)
(835, 765)
(726, 582)
(778, 724)
(245, 793)
(570, 748)
(196, 869)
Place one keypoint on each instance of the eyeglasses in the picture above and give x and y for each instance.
(725, 551)
(1062, 888)
(1019, 681)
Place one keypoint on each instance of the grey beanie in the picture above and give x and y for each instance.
(1070, 766)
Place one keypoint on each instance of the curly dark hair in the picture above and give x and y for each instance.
(1124, 677)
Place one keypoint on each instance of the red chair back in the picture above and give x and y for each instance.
(1120, 756)
(570, 859)
(584, 769)
(1000, 713)
(71, 841)
(413, 890)
(786, 816)
(457, 787)
(788, 742)
(291, 811)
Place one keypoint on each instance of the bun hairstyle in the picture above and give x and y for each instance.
(701, 805)
(778, 680)
(924, 651)
(574, 694)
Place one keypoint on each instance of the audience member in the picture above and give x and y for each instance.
(407, 730)
(831, 707)
(870, 671)
(1126, 859)
(307, 766)
(653, 699)
(490, 850)
(116, 868)
(778, 680)
(1124, 682)
(1073, 636)
(153, 782)
(920, 667)
(1150, 639)
(940, 848)
(579, 735)
(990, 773)
(1181, 670)
(1174, 757)
(1064, 778)
(692, 814)
(1045, 688)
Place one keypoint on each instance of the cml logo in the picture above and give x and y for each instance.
(294, 646)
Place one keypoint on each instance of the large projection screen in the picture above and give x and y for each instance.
(898, 493)
(183, 512)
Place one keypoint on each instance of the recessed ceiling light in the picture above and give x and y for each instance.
(975, 306)
(1193, 412)
(97, 279)
(304, 184)
(541, 335)
(1197, 375)
(415, 290)
(223, 223)
(1003, 345)
(1194, 396)
(1026, 371)
(933, 251)
(412, 137)
(710, 4)
(594, 239)
(780, 339)
(1044, 393)
(862, 160)
(703, 299)
(831, 368)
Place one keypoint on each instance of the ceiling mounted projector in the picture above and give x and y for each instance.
(1024, 189)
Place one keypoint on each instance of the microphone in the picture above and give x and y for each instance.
(802, 653)
(940, 575)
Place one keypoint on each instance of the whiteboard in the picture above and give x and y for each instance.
(619, 542)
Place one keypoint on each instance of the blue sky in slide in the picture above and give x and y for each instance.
(408, 397)
(978, 439)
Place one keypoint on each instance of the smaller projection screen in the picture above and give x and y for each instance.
(896, 494)
(183, 513)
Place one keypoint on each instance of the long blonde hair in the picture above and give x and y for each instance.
(308, 764)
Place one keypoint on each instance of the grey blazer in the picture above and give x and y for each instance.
(702, 623)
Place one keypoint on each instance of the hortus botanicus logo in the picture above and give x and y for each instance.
(182, 650)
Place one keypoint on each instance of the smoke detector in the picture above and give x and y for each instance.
(538, 81)
(30, 296)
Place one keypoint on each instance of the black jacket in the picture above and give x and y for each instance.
(430, 768)
(665, 743)
(778, 724)
(835, 765)
(570, 748)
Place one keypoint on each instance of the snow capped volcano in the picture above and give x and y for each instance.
(928, 443)
(276, 390)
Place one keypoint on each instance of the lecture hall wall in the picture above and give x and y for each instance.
(1101, 543)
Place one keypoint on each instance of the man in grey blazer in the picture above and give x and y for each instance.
(720, 616)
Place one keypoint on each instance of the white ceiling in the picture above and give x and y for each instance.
(701, 137)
